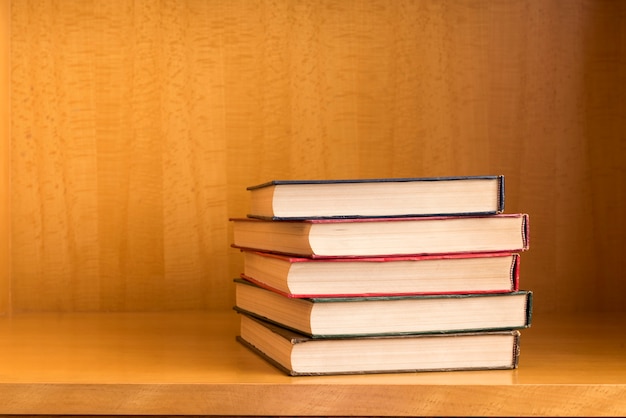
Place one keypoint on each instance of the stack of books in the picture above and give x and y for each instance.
(382, 275)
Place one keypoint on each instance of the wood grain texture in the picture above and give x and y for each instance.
(5, 157)
(136, 127)
(605, 127)
(268, 399)
(188, 363)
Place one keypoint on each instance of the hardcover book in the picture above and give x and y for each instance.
(297, 354)
(376, 276)
(384, 236)
(389, 197)
(361, 316)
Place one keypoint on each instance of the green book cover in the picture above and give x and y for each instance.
(387, 315)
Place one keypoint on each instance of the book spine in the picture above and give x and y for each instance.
(515, 265)
(501, 194)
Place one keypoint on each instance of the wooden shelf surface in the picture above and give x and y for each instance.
(188, 363)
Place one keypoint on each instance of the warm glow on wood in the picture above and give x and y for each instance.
(129, 131)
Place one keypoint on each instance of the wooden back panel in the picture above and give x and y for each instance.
(5, 157)
(136, 127)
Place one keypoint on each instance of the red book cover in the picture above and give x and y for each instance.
(376, 237)
(299, 277)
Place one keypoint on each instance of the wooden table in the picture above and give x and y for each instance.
(182, 363)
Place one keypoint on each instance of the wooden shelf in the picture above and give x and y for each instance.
(189, 363)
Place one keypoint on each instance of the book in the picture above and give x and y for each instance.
(361, 316)
(297, 354)
(388, 197)
(377, 276)
(384, 236)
